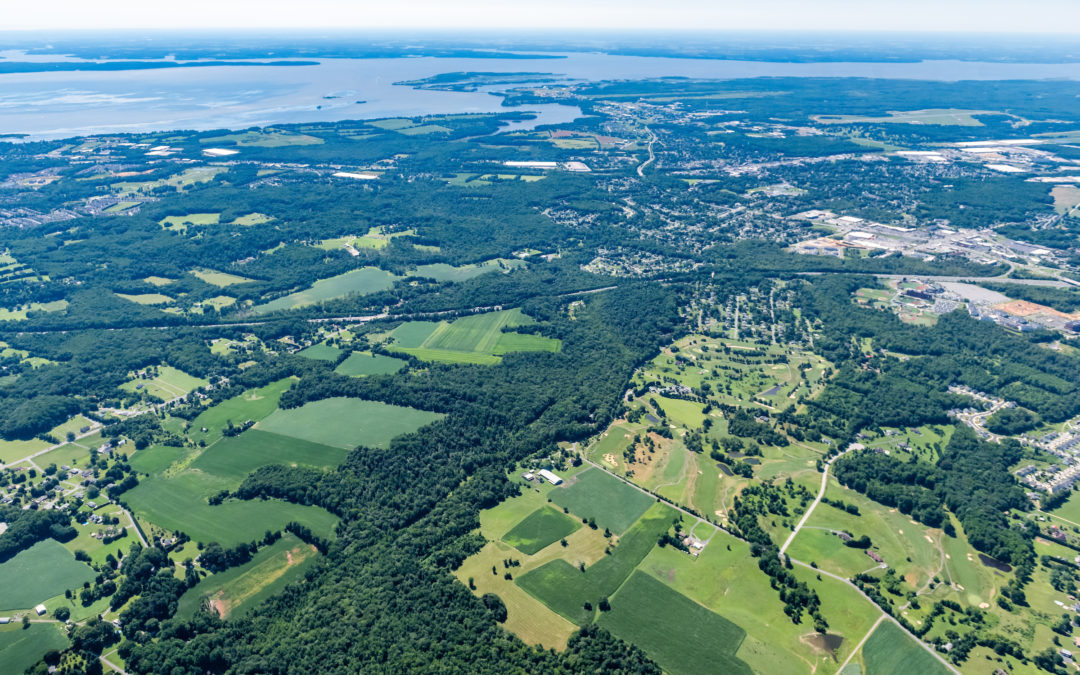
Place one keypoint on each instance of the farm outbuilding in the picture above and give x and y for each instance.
(549, 477)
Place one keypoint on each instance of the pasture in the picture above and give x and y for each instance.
(253, 404)
(22, 313)
(365, 363)
(146, 298)
(354, 282)
(20, 649)
(347, 422)
(238, 590)
(167, 384)
(540, 529)
(890, 651)
(40, 572)
(445, 272)
(676, 632)
(600, 496)
(237, 456)
(219, 279)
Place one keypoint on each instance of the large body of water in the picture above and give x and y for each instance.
(60, 104)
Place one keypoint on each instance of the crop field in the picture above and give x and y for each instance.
(347, 422)
(146, 298)
(565, 588)
(937, 116)
(444, 272)
(167, 385)
(321, 352)
(20, 649)
(540, 529)
(156, 458)
(219, 279)
(38, 573)
(366, 363)
(237, 456)
(598, 495)
(179, 181)
(676, 632)
(179, 503)
(470, 339)
(360, 282)
(889, 651)
(237, 590)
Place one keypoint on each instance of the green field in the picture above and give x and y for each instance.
(238, 590)
(219, 279)
(237, 456)
(445, 272)
(167, 385)
(254, 404)
(940, 116)
(540, 529)
(347, 422)
(598, 495)
(565, 588)
(146, 298)
(890, 651)
(359, 282)
(676, 632)
(179, 503)
(471, 339)
(155, 459)
(21, 649)
(262, 139)
(366, 363)
(321, 352)
(38, 573)
(21, 314)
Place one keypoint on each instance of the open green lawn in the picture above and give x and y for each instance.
(219, 279)
(321, 352)
(237, 456)
(179, 503)
(146, 298)
(355, 282)
(366, 363)
(565, 588)
(168, 384)
(676, 632)
(267, 138)
(540, 529)
(20, 649)
(181, 222)
(238, 590)
(156, 458)
(941, 116)
(598, 495)
(38, 573)
(21, 314)
(890, 651)
(471, 339)
(347, 422)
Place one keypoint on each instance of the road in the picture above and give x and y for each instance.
(861, 643)
(820, 494)
(112, 665)
(652, 155)
(1051, 283)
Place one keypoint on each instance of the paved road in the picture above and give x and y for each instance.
(652, 155)
(1053, 283)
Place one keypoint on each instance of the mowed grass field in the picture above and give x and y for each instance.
(167, 385)
(676, 632)
(253, 404)
(237, 456)
(470, 339)
(238, 590)
(354, 282)
(219, 279)
(38, 573)
(20, 649)
(598, 495)
(321, 352)
(889, 651)
(347, 422)
(540, 529)
(365, 363)
(445, 272)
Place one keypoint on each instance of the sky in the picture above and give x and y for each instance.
(1005, 16)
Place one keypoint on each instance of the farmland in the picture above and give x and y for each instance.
(470, 339)
(165, 384)
(444, 272)
(219, 279)
(358, 282)
(237, 456)
(42, 571)
(346, 422)
(366, 363)
(540, 529)
(21, 649)
(595, 494)
(238, 590)
(889, 651)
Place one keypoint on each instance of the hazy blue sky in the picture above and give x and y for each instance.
(1055, 16)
